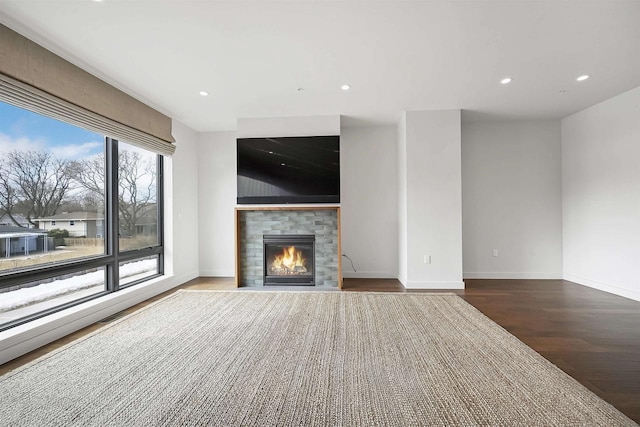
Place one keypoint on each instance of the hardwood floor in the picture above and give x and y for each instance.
(591, 335)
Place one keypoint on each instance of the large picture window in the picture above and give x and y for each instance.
(80, 215)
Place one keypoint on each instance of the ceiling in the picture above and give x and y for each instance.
(289, 58)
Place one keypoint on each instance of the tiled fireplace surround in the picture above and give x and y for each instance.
(322, 221)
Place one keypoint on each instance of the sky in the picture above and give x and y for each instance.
(23, 130)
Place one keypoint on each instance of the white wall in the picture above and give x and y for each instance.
(433, 199)
(181, 258)
(512, 200)
(218, 183)
(402, 199)
(368, 178)
(369, 187)
(288, 126)
(601, 195)
(217, 197)
(184, 202)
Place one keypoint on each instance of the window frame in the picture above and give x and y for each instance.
(111, 258)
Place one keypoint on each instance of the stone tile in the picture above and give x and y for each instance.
(321, 223)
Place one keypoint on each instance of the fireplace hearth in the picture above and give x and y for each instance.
(289, 259)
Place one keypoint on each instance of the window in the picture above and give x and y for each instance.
(46, 263)
(139, 269)
(137, 202)
(45, 295)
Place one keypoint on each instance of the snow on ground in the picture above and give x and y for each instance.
(26, 296)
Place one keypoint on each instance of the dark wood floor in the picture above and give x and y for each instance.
(591, 335)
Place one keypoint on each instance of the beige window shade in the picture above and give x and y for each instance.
(34, 78)
(30, 98)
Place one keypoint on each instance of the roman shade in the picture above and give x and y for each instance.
(36, 79)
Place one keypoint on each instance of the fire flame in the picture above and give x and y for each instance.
(290, 261)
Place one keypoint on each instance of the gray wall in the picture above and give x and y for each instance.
(511, 200)
(601, 195)
(369, 188)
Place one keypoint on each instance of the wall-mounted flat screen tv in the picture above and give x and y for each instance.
(289, 170)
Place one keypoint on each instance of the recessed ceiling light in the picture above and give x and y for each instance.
(583, 77)
(282, 164)
(505, 81)
(204, 93)
(345, 87)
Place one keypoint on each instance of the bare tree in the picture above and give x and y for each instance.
(136, 186)
(8, 197)
(90, 175)
(136, 189)
(36, 184)
(36, 181)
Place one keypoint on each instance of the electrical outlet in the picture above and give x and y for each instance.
(427, 259)
(495, 253)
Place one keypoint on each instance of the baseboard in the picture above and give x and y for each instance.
(22, 339)
(402, 280)
(217, 273)
(433, 285)
(513, 275)
(601, 286)
(369, 275)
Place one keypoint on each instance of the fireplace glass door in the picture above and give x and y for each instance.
(289, 259)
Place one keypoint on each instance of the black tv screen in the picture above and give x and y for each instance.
(286, 170)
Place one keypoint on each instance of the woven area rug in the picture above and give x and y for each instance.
(299, 358)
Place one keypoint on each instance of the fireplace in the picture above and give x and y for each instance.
(322, 223)
(289, 259)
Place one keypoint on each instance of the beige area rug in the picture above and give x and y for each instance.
(296, 359)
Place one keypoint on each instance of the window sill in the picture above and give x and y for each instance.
(24, 338)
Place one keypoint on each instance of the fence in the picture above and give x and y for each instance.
(83, 241)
